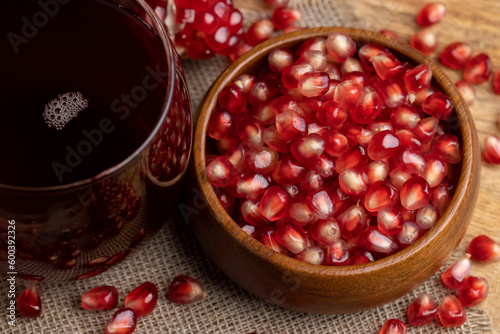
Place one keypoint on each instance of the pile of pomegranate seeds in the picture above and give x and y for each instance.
(334, 153)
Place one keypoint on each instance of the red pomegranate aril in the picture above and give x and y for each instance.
(206, 21)
(348, 94)
(478, 69)
(249, 130)
(440, 198)
(267, 237)
(324, 166)
(275, 202)
(404, 117)
(233, 99)
(427, 216)
(361, 257)
(245, 82)
(279, 58)
(352, 222)
(220, 171)
(448, 148)
(451, 312)
(393, 326)
(221, 124)
(393, 93)
(142, 300)
(425, 41)
(431, 14)
(300, 214)
(368, 51)
(422, 311)
(467, 91)
(380, 194)
(124, 321)
(259, 31)
(418, 78)
(473, 291)
(438, 105)
(288, 170)
(355, 157)
(314, 84)
(337, 254)
(228, 143)
(261, 160)
(353, 69)
(483, 248)
(290, 124)
(456, 272)
(312, 255)
(353, 181)
(496, 82)
(383, 145)
(340, 46)
(317, 59)
(260, 93)
(312, 182)
(409, 140)
(492, 149)
(390, 33)
(291, 74)
(398, 178)
(376, 241)
(415, 193)
(377, 170)
(426, 129)
(29, 303)
(409, 161)
(435, 170)
(357, 135)
(291, 236)
(275, 140)
(325, 231)
(320, 204)
(251, 186)
(100, 298)
(199, 49)
(283, 17)
(237, 157)
(389, 220)
(369, 108)
(387, 66)
(331, 114)
(250, 212)
(378, 126)
(226, 200)
(186, 290)
(335, 143)
(409, 234)
(456, 55)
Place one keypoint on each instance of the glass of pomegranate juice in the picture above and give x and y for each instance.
(95, 133)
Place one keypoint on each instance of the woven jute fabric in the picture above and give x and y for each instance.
(174, 251)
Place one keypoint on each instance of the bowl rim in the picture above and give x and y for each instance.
(466, 126)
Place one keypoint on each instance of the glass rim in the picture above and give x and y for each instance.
(157, 24)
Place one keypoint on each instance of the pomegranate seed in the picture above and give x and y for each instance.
(425, 41)
(440, 197)
(288, 170)
(91, 273)
(418, 78)
(404, 117)
(368, 51)
(379, 195)
(199, 49)
(221, 124)
(317, 59)
(307, 149)
(186, 290)
(456, 272)
(483, 248)
(291, 236)
(409, 140)
(259, 31)
(325, 231)
(496, 82)
(361, 257)
(354, 158)
(390, 34)
(324, 166)
(237, 157)
(260, 93)
(290, 124)
(275, 202)
(374, 240)
(228, 143)
(220, 171)
(300, 214)
(124, 321)
(335, 142)
(337, 254)
(352, 222)
(313, 255)
(478, 69)
(383, 145)
(245, 82)
(451, 312)
(389, 220)
(320, 204)
(431, 14)
(435, 170)
(456, 55)
(314, 84)
(352, 69)
(331, 114)
(291, 74)
(409, 161)
(251, 186)
(448, 148)
(376, 171)
(340, 46)
(473, 291)
(279, 58)
(312, 182)
(206, 21)
(250, 211)
(142, 300)
(378, 126)
(226, 200)
(29, 302)
(369, 108)
(267, 237)
(398, 178)
(415, 193)
(422, 311)
(275, 140)
(283, 17)
(348, 94)
(438, 105)
(356, 134)
(426, 129)
(261, 160)
(409, 234)
(492, 149)
(353, 181)
(467, 91)
(100, 298)
(233, 99)
(393, 326)
(427, 216)
(387, 66)
(393, 93)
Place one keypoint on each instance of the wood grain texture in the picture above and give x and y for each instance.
(318, 289)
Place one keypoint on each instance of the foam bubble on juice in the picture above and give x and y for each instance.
(61, 110)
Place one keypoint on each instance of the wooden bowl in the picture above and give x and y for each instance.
(301, 286)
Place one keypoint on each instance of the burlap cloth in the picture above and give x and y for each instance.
(174, 251)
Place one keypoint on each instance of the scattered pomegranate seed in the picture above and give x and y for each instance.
(467, 91)
(29, 302)
(422, 311)
(478, 69)
(456, 272)
(483, 248)
(393, 326)
(259, 31)
(451, 312)
(456, 55)
(431, 14)
(284, 17)
(425, 41)
(496, 82)
(124, 321)
(142, 300)
(473, 291)
(186, 290)
(100, 298)
(492, 149)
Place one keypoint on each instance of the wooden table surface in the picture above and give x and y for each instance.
(478, 23)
